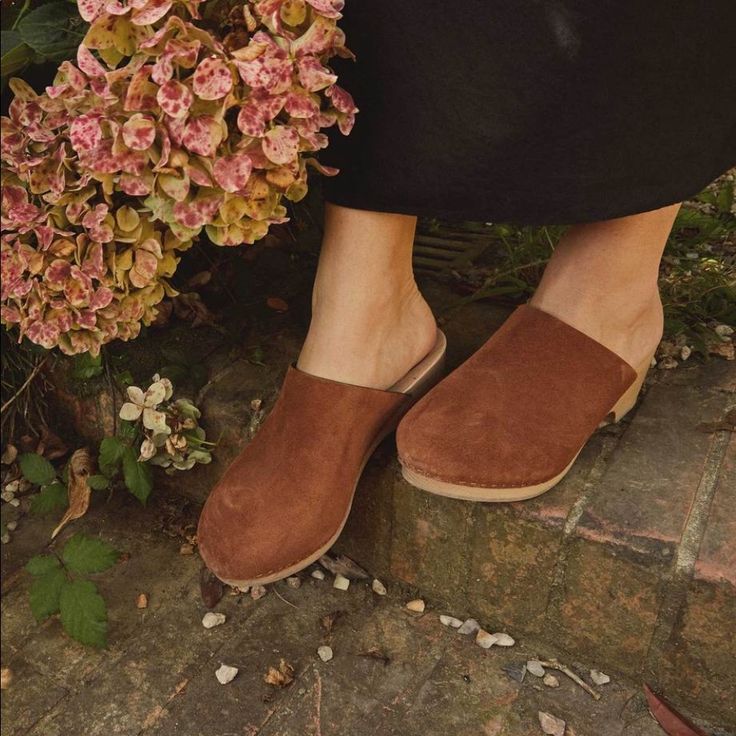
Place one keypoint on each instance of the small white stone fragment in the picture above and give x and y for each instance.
(226, 674)
(341, 582)
(470, 626)
(212, 619)
(451, 621)
(686, 352)
(484, 639)
(318, 575)
(14, 502)
(11, 526)
(599, 678)
(325, 653)
(534, 667)
(13, 486)
(550, 680)
(504, 640)
(551, 725)
(294, 581)
(378, 587)
(7, 496)
(724, 331)
(257, 591)
(5, 538)
(416, 606)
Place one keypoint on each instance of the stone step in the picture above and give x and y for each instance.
(630, 562)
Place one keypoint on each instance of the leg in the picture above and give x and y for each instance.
(370, 324)
(602, 279)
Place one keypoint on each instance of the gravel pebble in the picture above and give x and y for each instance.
(341, 582)
(212, 619)
(325, 653)
(599, 678)
(257, 591)
(484, 639)
(294, 581)
(226, 674)
(378, 587)
(318, 575)
(534, 667)
(551, 725)
(417, 605)
(550, 680)
(451, 621)
(11, 526)
(504, 640)
(469, 626)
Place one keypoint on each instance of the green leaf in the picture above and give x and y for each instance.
(138, 476)
(53, 30)
(83, 554)
(84, 613)
(128, 431)
(41, 564)
(45, 593)
(86, 366)
(16, 55)
(36, 469)
(50, 498)
(110, 455)
(98, 482)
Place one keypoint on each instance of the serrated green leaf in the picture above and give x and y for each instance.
(138, 476)
(50, 498)
(83, 554)
(84, 613)
(53, 30)
(41, 564)
(15, 54)
(98, 482)
(45, 591)
(110, 455)
(36, 469)
(128, 431)
(86, 366)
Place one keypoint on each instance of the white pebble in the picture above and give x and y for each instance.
(378, 587)
(257, 591)
(7, 496)
(341, 582)
(325, 653)
(724, 331)
(599, 678)
(534, 667)
(451, 621)
(417, 605)
(484, 639)
(551, 725)
(504, 640)
(5, 538)
(294, 581)
(470, 626)
(226, 674)
(11, 526)
(550, 680)
(13, 486)
(318, 575)
(212, 619)
(14, 502)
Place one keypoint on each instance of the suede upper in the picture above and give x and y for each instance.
(519, 410)
(289, 491)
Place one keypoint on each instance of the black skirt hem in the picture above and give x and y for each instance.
(511, 214)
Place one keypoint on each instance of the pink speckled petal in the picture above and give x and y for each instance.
(175, 99)
(152, 11)
(139, 133)
(202, 135)
(232, 172)
(90, 9)
(281, 144)
(212, 79)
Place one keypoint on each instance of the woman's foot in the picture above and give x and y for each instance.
(370, 325)
(602, 280)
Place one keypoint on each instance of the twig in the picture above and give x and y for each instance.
(284, 599)
(28, 380)
(555, 665)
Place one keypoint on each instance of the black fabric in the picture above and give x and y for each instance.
(554, 111)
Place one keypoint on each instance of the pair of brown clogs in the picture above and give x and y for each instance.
(505, 426)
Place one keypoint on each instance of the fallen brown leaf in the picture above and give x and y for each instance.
(329, 620)
(281, 677)
(6, 675)
(210, 588)
(277, 304)
(343, 565)
(725, 350)
(671, 721)
(51, 446)
(80, 468)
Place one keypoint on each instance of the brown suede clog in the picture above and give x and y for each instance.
(284, 500)
(508, 424)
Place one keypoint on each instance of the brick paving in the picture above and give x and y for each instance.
(628, 566)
